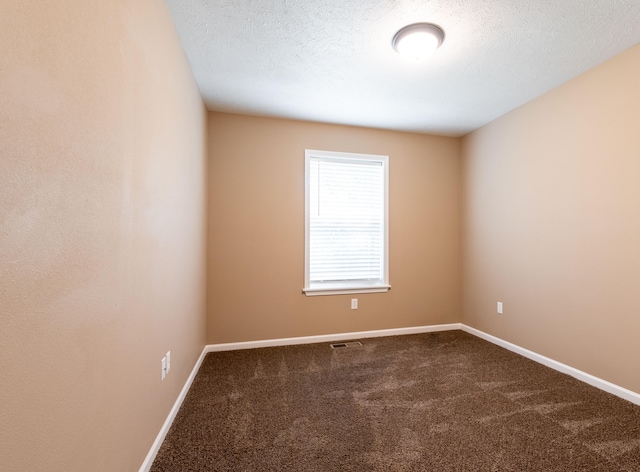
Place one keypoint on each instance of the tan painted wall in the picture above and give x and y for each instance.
(102, 231)
(552, 223)
(256, 231)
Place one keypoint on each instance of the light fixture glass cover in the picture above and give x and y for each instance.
(418, 41)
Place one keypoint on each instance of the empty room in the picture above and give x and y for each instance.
(319, 236)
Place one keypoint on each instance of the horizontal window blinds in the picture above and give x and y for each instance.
(346, 220)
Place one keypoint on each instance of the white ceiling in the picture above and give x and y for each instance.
(332, 61)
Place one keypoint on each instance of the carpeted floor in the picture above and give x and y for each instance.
(429, 402)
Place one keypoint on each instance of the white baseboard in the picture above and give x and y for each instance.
(155, 447)
(614, 389)
(330, 337)
(148, 462)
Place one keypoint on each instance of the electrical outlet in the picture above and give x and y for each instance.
(499, 308)
(164, 367)
(168, 361)
(354, 303)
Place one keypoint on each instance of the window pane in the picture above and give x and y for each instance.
(346, 220)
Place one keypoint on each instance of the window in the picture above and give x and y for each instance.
(346, 223)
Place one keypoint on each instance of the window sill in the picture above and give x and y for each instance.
(316, 291)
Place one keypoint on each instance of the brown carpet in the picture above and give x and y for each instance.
(430, 402)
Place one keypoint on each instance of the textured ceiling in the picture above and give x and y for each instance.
(332, 61)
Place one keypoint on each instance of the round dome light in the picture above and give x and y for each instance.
(418, 41)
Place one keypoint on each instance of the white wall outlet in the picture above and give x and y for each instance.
(164, 367)
(354, 303)
(499, 308)
(168, 361)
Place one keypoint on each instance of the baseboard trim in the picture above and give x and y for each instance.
(609, 387)
(330, 337)
(592, 380)
(148, 461)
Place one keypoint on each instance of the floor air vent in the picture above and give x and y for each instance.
(345, 344)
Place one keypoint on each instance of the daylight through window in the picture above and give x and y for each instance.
(346, 223)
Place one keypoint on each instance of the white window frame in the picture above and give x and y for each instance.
(350, 287)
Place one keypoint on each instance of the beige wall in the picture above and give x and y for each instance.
(102, 231)
(552, 223)
(256, 231)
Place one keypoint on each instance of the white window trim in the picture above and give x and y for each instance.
(345, 287)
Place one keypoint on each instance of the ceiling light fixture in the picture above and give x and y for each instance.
(418, 41)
